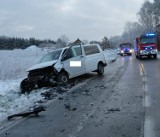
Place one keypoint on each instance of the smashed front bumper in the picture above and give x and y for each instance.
(47, 74)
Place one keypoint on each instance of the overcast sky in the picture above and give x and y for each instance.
(84, 19)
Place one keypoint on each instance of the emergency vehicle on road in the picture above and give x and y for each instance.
(146, 45)
(125, 49)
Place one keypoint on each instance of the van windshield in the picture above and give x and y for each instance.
(51, 56)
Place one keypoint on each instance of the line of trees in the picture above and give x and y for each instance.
(104, 43)
(148, 21)
(9, 43)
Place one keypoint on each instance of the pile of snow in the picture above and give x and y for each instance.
(110, 55)
(32, 48)
(13, 65)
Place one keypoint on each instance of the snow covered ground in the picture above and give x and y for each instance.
(110, 55)
(13, 66)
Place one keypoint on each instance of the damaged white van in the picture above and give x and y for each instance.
(63, 64)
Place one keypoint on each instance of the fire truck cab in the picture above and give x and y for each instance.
(146, 45)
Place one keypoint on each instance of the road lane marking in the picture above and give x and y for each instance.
(148, 120)
(147, 101)
(148, 127)
(142, 71)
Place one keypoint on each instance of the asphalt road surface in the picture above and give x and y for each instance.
(125, 102)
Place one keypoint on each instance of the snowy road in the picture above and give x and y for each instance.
(111, 106)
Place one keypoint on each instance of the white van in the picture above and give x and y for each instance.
(65, 63)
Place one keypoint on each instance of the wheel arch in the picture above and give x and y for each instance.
(63, 70)
(101, 62)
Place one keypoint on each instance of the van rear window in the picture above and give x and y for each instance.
(91, 49)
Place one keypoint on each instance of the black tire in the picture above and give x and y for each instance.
(100, 69)
(155, 56)
(140, 57)
(149, 56)
(63, 78)
(26, 86)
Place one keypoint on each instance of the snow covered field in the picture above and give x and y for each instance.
(13, 66)
(13, 63)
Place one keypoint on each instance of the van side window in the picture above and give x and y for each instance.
(77, 49)
(74, 51)
(91, 49)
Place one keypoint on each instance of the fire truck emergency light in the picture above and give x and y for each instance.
(150, 34)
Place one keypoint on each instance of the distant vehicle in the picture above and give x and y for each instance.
(58, 66)
(146, 45)
(125, 49)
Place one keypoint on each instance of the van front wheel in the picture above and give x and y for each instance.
(100, 69)
(63, 78)
(26, 86)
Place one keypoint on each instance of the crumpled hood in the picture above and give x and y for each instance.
(42, 65)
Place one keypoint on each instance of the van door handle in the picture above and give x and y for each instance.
(82, 56)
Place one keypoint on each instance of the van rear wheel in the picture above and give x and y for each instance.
(100, 69)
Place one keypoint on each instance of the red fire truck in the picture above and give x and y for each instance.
(146, 45)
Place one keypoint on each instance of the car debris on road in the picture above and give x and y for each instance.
(34, 110)
(114, 109)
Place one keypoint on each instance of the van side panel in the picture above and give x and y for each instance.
(93, 54)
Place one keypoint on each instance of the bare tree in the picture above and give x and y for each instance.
(115, 41)
(148, 21)
(146, 16)
(105, 43)
(131, 31)
(62, 41)
(156, 6)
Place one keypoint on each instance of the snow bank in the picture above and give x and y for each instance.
(32, 48)
(14, 63)
(12, 102)
(110, 55)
